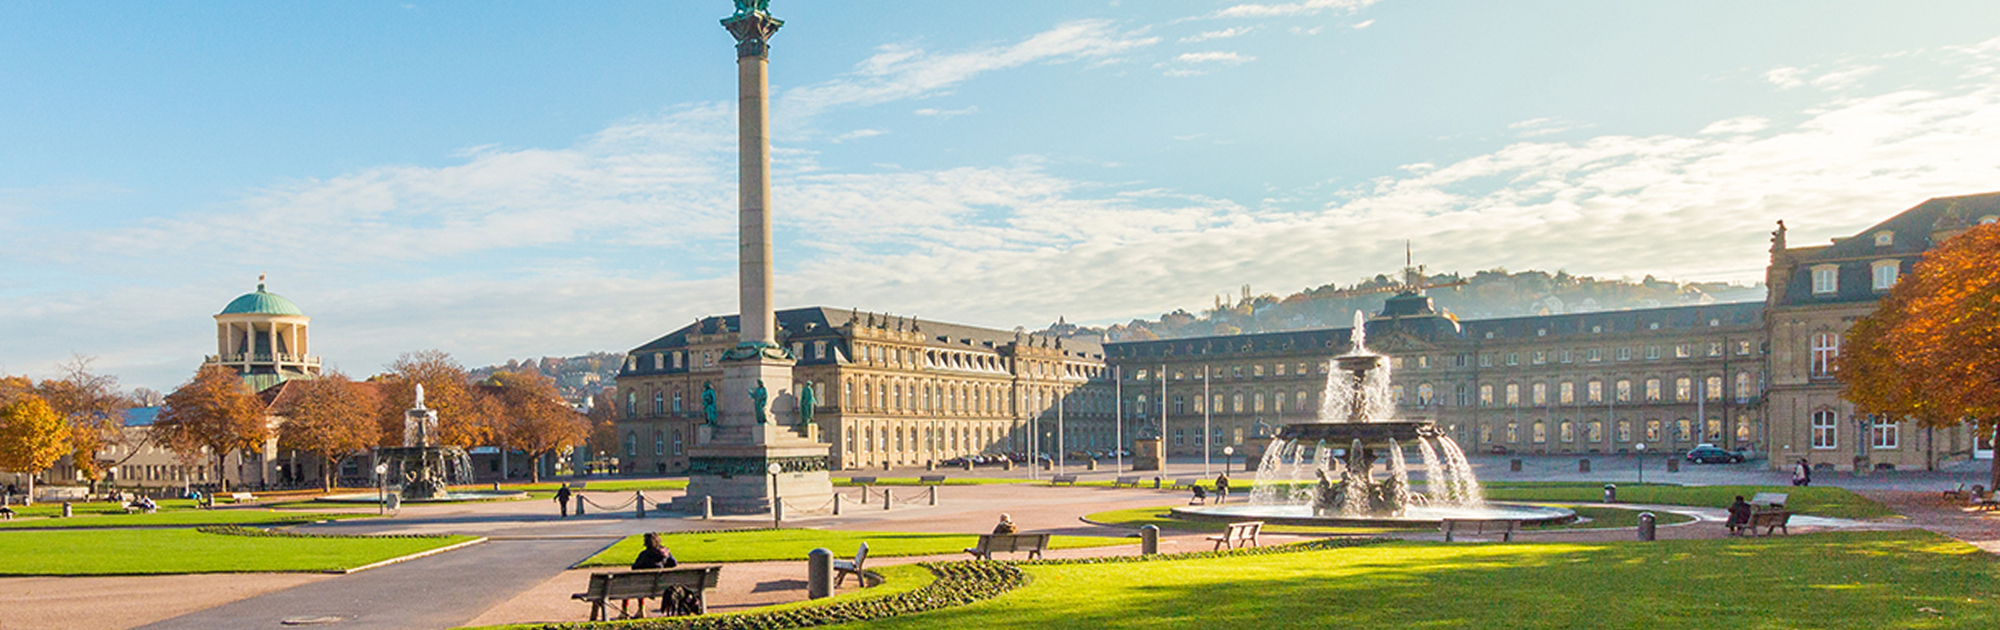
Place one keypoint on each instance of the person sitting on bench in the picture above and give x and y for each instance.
(677, 599)
(655, 555)
(1006, 525)
(1739, 514)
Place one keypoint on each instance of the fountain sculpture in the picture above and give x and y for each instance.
(425, 470)
(1325, 471)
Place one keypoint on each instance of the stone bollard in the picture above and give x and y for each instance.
(1610, 493)
(885, 500)
(1093, 465)
(1646, 525)
(933, 495)
(864, 493)
(1156, 483)
(1007, 463)
(777, 513)
(1583, 465)
(836, 504)
(885, 465)
(639, 500)
(1149, 540)
(819, 573)
(1514, 465)
(66, 512)
(579, 504)
(496, 486)
(707, 508)
(968, 463)
(930, 464)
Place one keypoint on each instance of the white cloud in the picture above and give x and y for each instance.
(899, 72)
(1545, 126)
(1233, 31)
(1740, 124)
(946, 113)
(1308, 7)
(857, 135)
(1786, 77)
(1363, 24)
(1840, 79)
(1215, 57)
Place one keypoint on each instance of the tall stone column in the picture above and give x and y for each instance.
(756, 428)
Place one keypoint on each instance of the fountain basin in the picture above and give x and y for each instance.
(454, 496)
(1412, 515)
(1339, 435)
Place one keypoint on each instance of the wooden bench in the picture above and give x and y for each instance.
(1506, 527)
(844, 568)
(1772, 520)
(1121, 482)
(1956, 493)
(136, 506)
(931, 480)
(1769, 500)
(989, 544)
(639, 584)
(1238, 534)
(1068, 479)
(861, 481)
(1185, 483)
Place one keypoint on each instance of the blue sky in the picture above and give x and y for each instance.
(521, 179)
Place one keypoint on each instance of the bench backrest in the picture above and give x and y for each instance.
(1063, 479)
(1132, 479)
(931, 479)
(1187, 483)
(862, 480)
(993, 543)
(1774, 499)
(637, 583)
(861, 557)
(1246, 529)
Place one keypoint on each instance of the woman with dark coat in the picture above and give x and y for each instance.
(655, 555)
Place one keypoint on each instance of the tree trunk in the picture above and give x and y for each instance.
(326, 468)
(535, 468)
(221, 478)
(30, 498)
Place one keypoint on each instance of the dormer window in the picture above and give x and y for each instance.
(1885, 238)
(1989, 219)
(1885, 274)
(1825, 279)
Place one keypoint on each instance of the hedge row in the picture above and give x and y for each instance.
(239, 530)
(957, 584)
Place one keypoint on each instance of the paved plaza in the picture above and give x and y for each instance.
(523, 572)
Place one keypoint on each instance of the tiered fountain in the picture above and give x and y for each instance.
(421, 470)
(1324, 472)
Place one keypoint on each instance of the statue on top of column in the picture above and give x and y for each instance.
(747, 7)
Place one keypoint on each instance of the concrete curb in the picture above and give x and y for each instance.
(420, 554)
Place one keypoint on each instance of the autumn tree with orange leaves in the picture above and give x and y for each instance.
(534, 418)
(32, 437)
(462, 420)
(213, 415)
(1931, 350)
(332, 417)
(95, 411)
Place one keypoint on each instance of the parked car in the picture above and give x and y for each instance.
(1711, 454)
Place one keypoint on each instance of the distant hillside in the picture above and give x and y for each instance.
(578, 378)
(1486, 295)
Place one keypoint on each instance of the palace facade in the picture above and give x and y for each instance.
(890, 390)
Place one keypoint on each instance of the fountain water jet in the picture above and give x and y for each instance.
(1302, 479)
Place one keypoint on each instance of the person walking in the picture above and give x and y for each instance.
(1802, 474)
(562, 499)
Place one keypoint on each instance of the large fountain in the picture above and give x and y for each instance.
(1326, 471)
(421, 470)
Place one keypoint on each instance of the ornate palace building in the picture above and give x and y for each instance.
(889, 390)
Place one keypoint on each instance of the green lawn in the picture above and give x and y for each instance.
(599, 485)
(759, 545)
(1863, 580)
(161, 551)
(1815, 501)
(47, 508)
(176, 518)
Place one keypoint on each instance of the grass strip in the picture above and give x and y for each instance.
(181, 518)
(178, 551)
(760, 545)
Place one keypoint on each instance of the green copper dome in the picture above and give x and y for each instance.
(261, 303)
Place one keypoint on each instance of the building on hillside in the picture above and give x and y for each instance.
(890, 390)
(1582, 383)
(1816, 294)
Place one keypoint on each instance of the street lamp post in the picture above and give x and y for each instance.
(1642, 460)
(382, 488)
(1228, 458)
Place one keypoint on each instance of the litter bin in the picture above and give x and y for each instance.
(1610, 493)
(1583, 465)
(1514, 465)
(1646, 523)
